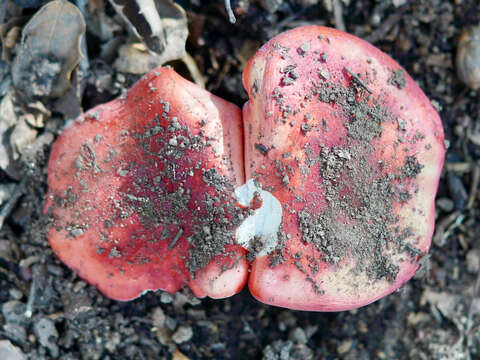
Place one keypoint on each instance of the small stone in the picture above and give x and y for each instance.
(445, 204)
(6, 251)
(166, 298)
(15, 332)
(6, 191)
(77, 232)
(457, 190)
(344, 347)
(8, 119)
(47, 335)
(113, 341)
(158, 317)
(473, 261)
(183, 334)
(10, 352)
(271, 5)
(77, 305)
(15, 294)
(398, 3)
(13, 311)
(21, 137)
(170, 323)
(468, 55)
(298, 335)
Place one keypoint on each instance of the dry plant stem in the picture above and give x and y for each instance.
(231, 15)
(8, 207)
(385, 27)
(31, 299)
(474, 186)
(445, 227)
(192, 67)
(476, 288)
(338, 15)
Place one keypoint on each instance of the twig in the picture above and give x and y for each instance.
(8, 207)
(391, 21)
(31, 299)
(338, 15)
(231, 15)
(175, 239)
(192, 67)
(445, 227)
(474, 185)
(468, 326)
(358, 80)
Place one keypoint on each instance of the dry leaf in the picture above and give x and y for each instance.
(160, 24)
(50, 50)
(177, 355)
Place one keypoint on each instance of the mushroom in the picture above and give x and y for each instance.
(355, 151)
(135, 184)
(321, 193)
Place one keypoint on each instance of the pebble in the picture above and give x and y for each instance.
(445, 204)
(398, 3)
(13, 312)
(170, 323)
(183, 334)
(158, 317)
(271, 5)
(47, 335)
(6, 191)
(473, 261)
(457, 190)
(77, 305)
(6, 252)
(10, 352)
(166, 298)
(15, 294)
(8, 119)
(298, 335)
(16, 332)
(344, 347)
(468, 55)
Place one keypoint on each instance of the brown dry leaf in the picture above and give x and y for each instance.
(160, 24)
(177, 355)
(50, 50)
(9, 36)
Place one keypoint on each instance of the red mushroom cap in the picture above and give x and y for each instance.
(140, 191)
(352, 149)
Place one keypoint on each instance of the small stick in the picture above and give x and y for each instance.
(8, 207)
(474, 186)
(31, 299)
(338, 15)
(358, 80)
(175, 239)
(468, 326)
(231, 15)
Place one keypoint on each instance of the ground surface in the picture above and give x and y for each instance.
(48, 312)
